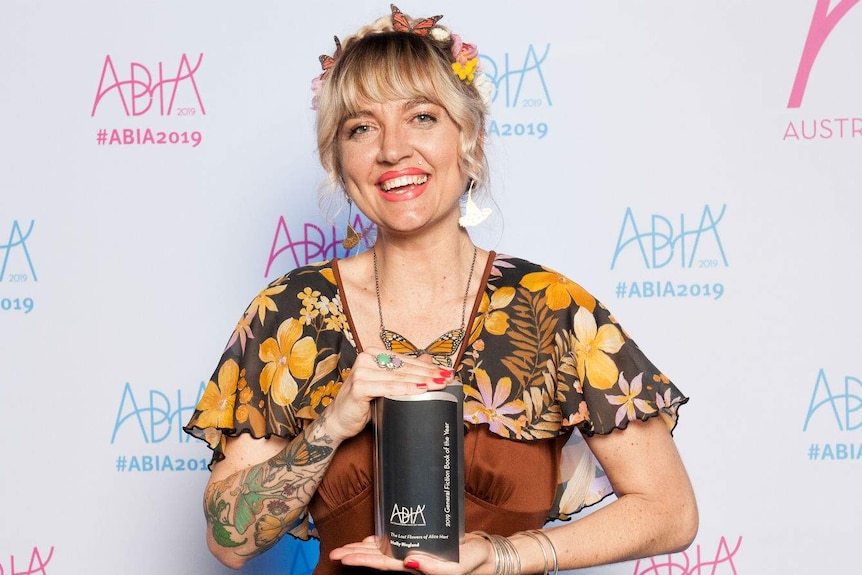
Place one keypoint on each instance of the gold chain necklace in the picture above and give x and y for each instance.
(442, 348)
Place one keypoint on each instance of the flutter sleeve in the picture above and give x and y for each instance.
(601, 380)
(615, 384)
(283, 363)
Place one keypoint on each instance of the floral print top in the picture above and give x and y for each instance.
(543, 357)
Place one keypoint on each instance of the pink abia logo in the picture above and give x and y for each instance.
(137, 88)
(822, 24)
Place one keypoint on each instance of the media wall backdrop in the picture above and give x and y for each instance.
(696, 165)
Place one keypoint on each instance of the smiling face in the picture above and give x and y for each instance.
(386, 72)
(400, 163)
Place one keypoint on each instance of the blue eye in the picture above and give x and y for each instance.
(359, 130)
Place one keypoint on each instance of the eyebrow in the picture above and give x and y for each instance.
(408, 105)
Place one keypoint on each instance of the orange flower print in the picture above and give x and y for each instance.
(242, 332)
(287, 357)
(308, 297)
(490, 314)
(324, 394)
(216, 404)
(489, 406)
(559, 290)
(328, 273)
(581, 416)
(263, 302)
(592, 344)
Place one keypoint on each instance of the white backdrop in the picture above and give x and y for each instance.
(696, 165)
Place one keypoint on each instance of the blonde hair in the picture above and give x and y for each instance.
(379, 64)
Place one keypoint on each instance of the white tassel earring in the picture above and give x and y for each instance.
(473, 214)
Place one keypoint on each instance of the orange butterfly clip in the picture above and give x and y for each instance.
(401, 24)
(327, 61)
(440, 349)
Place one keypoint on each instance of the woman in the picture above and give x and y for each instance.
(401, 113)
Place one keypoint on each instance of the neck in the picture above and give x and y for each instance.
(427, 260)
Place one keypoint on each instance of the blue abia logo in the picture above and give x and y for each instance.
(660, 240)
(314, 243)
(17, 264)
(518, 78)
(836, 406)
(519, 84)
(153, 415)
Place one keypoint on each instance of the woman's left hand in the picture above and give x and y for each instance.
(475, 553)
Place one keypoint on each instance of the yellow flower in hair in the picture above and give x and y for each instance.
(466, 71)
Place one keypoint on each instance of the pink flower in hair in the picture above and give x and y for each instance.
(316, 86)
(462, 52)
(456, 46)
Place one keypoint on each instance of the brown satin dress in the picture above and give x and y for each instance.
(510, 486)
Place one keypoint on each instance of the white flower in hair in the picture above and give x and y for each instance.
(440, 34)
(485, 87)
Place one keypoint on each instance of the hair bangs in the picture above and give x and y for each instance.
(379, 66)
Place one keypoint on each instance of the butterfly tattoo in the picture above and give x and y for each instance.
(303, 455)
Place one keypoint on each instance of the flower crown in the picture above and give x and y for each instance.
(465, 57)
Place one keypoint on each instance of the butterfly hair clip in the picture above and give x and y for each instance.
(422, 27)
(464, 56)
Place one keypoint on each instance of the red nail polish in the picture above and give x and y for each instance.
(422, 385)
(439, 379)
(411, 564)
(446, 372)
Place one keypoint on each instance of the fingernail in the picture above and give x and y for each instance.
(439, 379)
(411, 564)
(446, 372)
(422, 385)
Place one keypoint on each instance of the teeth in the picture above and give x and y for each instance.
(403, 181)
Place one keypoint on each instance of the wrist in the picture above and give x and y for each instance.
(533, 541)
(504, 555)
(325, 430)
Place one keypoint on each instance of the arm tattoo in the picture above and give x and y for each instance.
(269, 498)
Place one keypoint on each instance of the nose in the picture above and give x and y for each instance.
(394, 145)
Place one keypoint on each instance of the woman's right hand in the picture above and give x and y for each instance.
(350, 411)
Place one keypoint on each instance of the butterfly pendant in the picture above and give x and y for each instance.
(440, 349)
(401, 24)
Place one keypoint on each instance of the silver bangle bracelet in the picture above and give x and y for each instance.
(544, 535)
(535, 538)
(506, 558)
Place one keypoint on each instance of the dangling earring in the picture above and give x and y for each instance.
(473, 214)
(352, 238)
